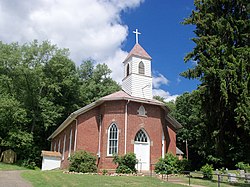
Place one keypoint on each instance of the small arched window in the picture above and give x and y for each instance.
(141, 68)
(141, 111)
(141, 136)
(112, 139)
(127, 73)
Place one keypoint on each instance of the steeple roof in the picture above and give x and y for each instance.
(139, 52)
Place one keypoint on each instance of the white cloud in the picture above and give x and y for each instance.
(89, 28)
(115, 63)
(166, 95)
(159, 80)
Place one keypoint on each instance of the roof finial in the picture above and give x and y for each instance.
(136, 35)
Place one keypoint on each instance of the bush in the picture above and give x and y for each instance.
(183, 165)
(167, 165)
(207, 171)
(126, 163)
(243, 166)
(28, 163)
(82, 161)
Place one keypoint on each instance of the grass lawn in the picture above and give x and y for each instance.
(214, 183)
(4, 166)
(58, 178)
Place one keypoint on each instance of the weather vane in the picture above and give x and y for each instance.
(136, 32)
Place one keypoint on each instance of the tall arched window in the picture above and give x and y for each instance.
(127, 73)
(70, 142)
(112, 139)
(141, 68)
(59, 145)
(141, 136)
(64, 144)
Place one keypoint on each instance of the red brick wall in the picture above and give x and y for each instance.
(111, 111)
(60, 137)
(114, 111)
(151, 124)
(171, 139)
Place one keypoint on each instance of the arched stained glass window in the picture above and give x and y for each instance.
(112, 139)
(141, 136)
(127, 70)
(141, 68)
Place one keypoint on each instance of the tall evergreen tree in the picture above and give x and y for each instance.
(223, 66)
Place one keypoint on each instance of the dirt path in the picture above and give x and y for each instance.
(13, 179)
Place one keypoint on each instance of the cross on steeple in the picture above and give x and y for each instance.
(136, 35)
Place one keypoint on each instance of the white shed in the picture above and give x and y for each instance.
(51, 160)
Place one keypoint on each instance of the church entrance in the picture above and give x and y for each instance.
(142, 150)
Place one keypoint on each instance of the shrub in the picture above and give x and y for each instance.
(82, 161)
(104, 172)
(126, 163)
(167, 165)
(243, 166)
(183, 165)
(27, 163)
(207, 171)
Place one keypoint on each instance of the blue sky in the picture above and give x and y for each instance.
(102, 30)
(164, 38)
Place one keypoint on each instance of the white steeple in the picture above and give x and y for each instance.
(137, 79)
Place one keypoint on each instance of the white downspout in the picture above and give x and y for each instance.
(126, 126)
(75, 135)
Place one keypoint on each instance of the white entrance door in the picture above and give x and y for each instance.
(142, 150)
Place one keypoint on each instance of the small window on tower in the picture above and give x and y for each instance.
(141, 111)
(141, 68)
(128, 70)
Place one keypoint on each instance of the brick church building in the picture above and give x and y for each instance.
(126, 121)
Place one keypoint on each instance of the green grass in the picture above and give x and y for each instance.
(60, 179)
(197, 179)
(4, 166)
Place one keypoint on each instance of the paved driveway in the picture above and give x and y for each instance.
(12, 179)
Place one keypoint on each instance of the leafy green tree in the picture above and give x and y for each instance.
(35, 79)
(188, 113)
(222, 55)
(95, 82)
(39, 87)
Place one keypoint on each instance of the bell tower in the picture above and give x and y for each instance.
(137, 79)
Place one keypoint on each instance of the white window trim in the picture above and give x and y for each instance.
(70, 142)
(64, 145)
(54, 147)
(117, 139)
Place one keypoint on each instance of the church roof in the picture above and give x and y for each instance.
(138, 51)
(51, 153)
(120, 95)
(178, 151)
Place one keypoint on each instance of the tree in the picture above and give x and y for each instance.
(95, 82)
(39, 87)
(188, 113)
(222, 55)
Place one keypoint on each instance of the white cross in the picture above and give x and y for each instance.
(136, 35)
